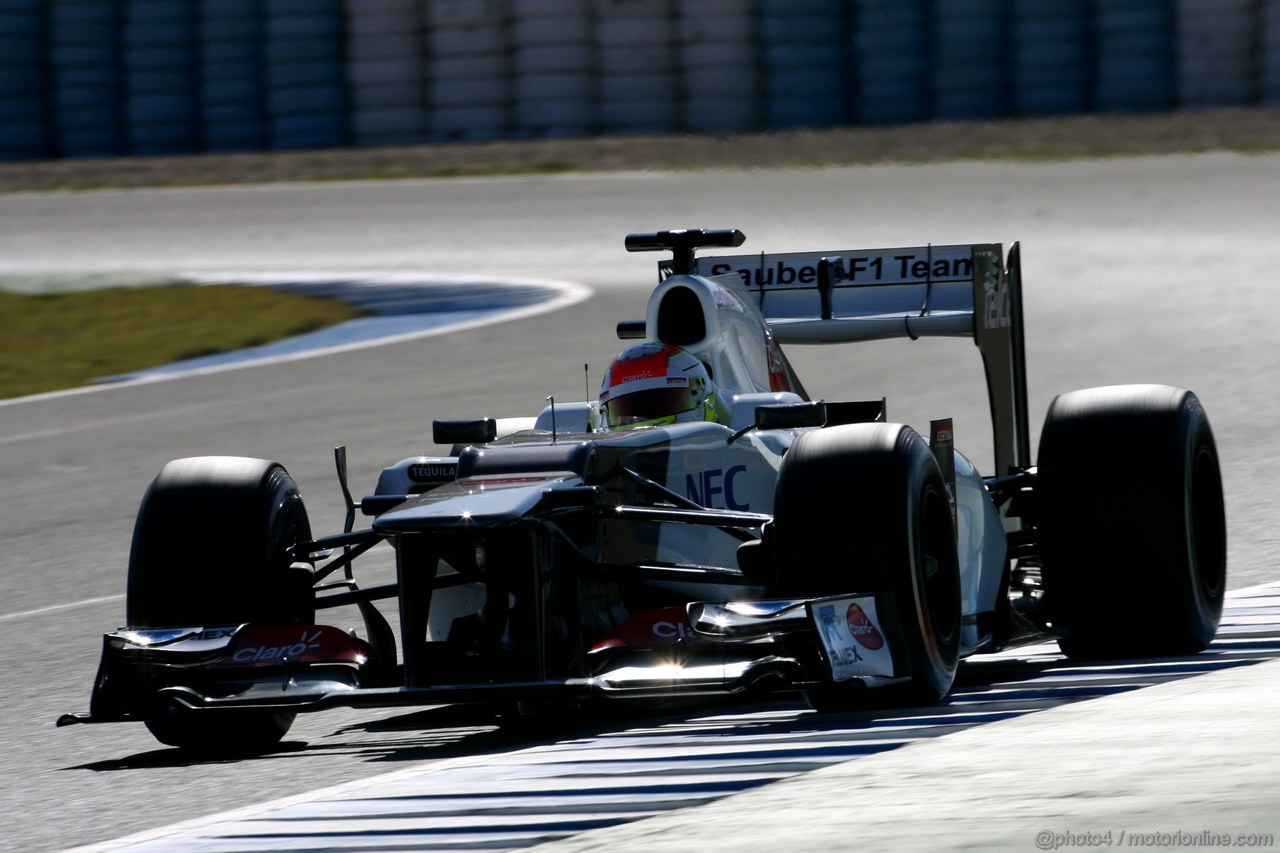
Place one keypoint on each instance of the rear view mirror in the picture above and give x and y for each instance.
(860, 412)
(791, 415)
(464, 430)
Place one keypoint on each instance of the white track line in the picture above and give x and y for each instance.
(39, 611)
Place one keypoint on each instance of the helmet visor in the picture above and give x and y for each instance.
(649, 405)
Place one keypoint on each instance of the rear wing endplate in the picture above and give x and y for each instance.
(856, 295)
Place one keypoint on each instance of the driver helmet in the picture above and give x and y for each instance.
(654, 384)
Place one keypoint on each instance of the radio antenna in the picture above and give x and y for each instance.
(552, 398)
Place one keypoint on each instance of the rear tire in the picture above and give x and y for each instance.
(1132, 522)
(864, 508)
(210, 548)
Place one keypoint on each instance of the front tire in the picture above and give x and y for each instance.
(864, 508)
(1132, 522)
(210, 548)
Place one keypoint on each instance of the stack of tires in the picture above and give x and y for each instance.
(385, 71)
(24, 84)
(1052, 57)
(1269, 54)
(553, 67)
(637, 88)
(161, 67)
(1134, 55)
(891, 75)
(804, 45)
(231, 76)
(1216, 64)
(468, 72)
(305, 73)
(718, 66)
(88, 78)
(971, 59)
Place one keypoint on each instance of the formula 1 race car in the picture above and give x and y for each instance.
(703, 528)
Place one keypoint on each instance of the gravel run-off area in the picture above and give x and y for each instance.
(1245, 130)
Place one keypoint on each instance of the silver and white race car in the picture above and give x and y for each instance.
(704, 528)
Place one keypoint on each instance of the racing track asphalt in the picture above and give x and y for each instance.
(1155, 269)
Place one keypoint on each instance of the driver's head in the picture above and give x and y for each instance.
(652, 384)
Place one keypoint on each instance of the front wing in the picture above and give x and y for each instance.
(717, 649)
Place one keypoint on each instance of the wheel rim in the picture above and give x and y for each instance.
(939, 569)
(1207, 528)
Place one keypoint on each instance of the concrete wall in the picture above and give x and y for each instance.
(82, 78)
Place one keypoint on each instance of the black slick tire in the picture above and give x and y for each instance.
(1131, 521)
(210, 549)
(863, 508)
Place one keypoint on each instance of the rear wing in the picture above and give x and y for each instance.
(868, 294)
(858, 295)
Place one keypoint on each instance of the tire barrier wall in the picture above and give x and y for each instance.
(232, 112)
(553, 68)
(467, 64)
(85, 116)
(94, 78)
(25, 86)
(304, 73)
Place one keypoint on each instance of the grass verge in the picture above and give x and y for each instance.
(50, 342)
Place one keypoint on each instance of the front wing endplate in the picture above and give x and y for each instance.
(853, 642)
